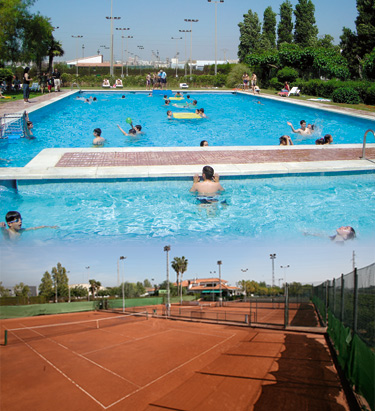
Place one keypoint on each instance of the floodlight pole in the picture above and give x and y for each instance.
(167, 248)
(272, 257)
(220, 1)
(176, 38)
(123, 290)
(221, 295)
(185, 31)
(191, 21)
(77, 37)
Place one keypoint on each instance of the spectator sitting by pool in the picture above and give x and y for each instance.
(14, 221)
(285, 141)
(210, 184)
(204, 143)
(98, 139)
(303, 130)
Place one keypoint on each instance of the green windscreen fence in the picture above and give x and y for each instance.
(349, 302)
(135, 302)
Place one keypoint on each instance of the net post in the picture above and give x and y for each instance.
(286, 307)
(5, 337)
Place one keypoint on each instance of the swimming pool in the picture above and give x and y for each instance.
(233, 120)
(266, 208)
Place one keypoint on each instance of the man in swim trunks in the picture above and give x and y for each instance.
(303, 130)
(209, 187)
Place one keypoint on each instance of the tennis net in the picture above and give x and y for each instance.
(26, 334)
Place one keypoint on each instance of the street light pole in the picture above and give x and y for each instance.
(244, 271)
(284, 267)
(176, 38)
(191, 21)
(167, 248)
(123, 291)
(185, 31)
(88, 289)
(272, 257)
(77, 37)
(112, 18)
(221, 295)
(122, 50)
(210, 1)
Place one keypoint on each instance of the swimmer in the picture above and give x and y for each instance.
(204, 143)
(326, 140)
(210, 184)
(343, 234)
(285, 141)
(14, 230)
(123, 96)
(167, 102)
(149, 95)
(98, 139)
(178, 94)
(201, 113)
(169, 114)
(303, 130)
(258, 102)
(133, 131)
(194, 103)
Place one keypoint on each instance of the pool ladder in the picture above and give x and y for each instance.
(364, 142)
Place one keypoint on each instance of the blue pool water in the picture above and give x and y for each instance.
(266, 208)
(233, 120)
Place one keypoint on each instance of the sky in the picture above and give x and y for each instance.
(152, 25)
(309, 262)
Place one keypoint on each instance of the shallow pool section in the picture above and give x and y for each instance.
(232, 120)
(284, 208)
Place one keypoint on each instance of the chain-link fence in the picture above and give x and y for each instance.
(347, 304)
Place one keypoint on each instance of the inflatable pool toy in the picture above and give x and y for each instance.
(186, 116)
(129, 120)
(176, 98)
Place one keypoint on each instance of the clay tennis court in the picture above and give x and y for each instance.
(153, 364)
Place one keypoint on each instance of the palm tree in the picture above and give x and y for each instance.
(180, 266)
(94, 286)
(55, 50)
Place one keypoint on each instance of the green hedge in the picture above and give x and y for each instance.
(345, 95)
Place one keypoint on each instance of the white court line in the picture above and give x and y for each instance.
(61, 372)
(170, 371)
(85, 358)
(125, 342)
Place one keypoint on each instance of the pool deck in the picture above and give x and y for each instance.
(160, 162)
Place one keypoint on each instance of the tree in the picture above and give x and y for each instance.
(21, 290)
(4, 292)
(94, 286)
(365, 24)
(285, 27)
(326, 42)
(55, 50)
(305, 30)
(180, 266)
(60, 280)
(269, 29)
(78, 291)
(46, 286)
(13, 18)
(38, 33)
(250, 37)
(147, 283)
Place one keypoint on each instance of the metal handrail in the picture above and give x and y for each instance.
(364, 142)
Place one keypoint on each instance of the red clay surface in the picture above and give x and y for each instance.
(163, 364)
(142, 158)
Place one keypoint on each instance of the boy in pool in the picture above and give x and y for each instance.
(133, 131)
(303, 130)
(210, 185)
(14, 230)
(98, 139)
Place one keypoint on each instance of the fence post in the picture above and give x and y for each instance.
(355, 301)
(334, 296)
(342, 299)
(286, 308)
(326, 302)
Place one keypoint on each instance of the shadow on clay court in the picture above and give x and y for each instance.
(306, 316)
(305, 379)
